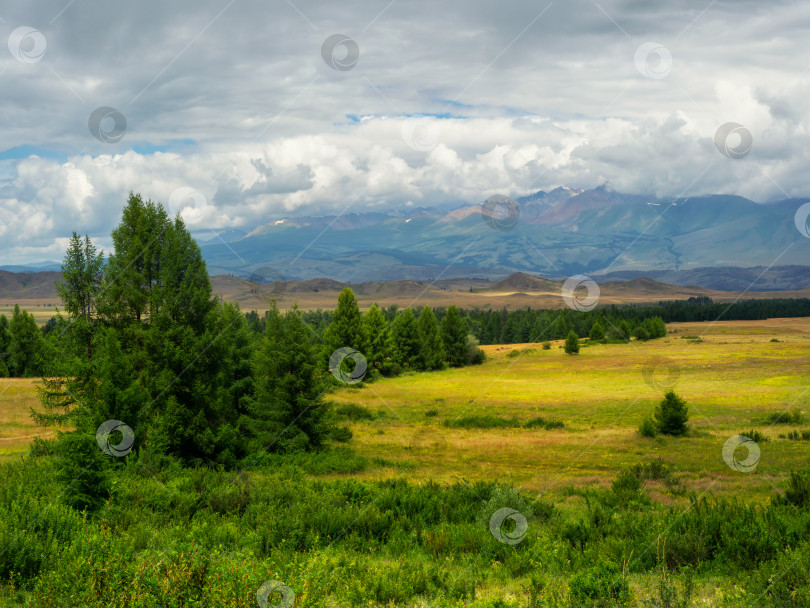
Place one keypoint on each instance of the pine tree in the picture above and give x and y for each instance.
(79, 288)
(25, 346)
(671, 415)
(5, 339)
(454, 337)
(403, 340)
(375, 329)
(572, 343)
(431, 349)
(346, 329)
(286, 411)
(167, 358)
(597, 332)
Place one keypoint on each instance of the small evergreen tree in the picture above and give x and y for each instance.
(597, 332)
(671, 415)
(572, 343)
(431, 349)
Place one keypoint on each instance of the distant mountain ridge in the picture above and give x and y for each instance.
(559, 233)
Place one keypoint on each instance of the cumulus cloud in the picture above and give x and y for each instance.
(448, 103)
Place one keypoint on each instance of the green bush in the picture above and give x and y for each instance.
(354, 412)
(600, 585)
(546, 345)
(648, 428)
(482, 422)
(755, 436)
(543, 423)
(792, 417)
(640, 333)
(797, 493)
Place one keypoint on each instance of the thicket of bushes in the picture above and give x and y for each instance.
(165, 535)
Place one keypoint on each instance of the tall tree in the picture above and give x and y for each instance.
(346, 329)
(287, 411)
(25, 346)
(454, 337)
(375, 329)
(167, 358)
(403, 340)
(5, 339)
(80, 286)
(431, 349)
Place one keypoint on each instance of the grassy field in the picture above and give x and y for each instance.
(17, 429)
(40, 311)
(731, 379)
(734, 377)
(330, 537)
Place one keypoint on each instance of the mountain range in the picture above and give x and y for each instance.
(556, 234)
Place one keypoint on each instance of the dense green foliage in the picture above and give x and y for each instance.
(168, 536)
(571, 346)
(671, 415)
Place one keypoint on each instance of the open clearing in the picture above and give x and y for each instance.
(731, 380)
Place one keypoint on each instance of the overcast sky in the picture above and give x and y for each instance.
(250, 110)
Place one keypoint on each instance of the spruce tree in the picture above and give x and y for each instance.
(671, 415)
(431, 349)
(25, 346)
(5, 339)
(403, 340)
(597, 332)
(454, 337)
(375, 330)
(79, 289)
(346, 328)
(572, 343)
(167, 359)
(286, 411)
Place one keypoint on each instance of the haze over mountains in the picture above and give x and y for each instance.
(718, 242)
(558, 233)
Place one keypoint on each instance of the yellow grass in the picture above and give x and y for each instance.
(731, 379)
(17, 429)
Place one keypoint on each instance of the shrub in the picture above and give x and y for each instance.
(482, 422)
(648, 427)
(354, 412)
(546, 345)
(600, 585)
(341, 434)
(797, 492)
(431, 413)
(572, 343)
(792, 417)
(755, 436)
(475, 356)
(641, 333)
(671, 415)
(543, 423)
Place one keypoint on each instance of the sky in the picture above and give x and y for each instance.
(239, 112)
